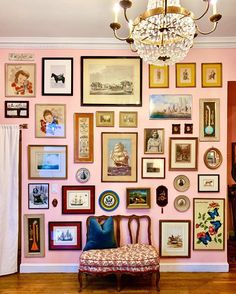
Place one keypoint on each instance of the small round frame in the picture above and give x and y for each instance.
(82, 175)
(181, 183)
(182, 203)
(109, 200)
(213, 158)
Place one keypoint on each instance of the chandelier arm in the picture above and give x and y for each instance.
(120, 38)
(207, 33)
(205, 12)
(132, 48)
(125, 15)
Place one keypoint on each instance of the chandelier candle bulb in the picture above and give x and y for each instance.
(213, 2)
(116, 10)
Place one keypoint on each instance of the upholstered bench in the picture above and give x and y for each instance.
(134, 258)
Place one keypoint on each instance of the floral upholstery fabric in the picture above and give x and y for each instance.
(132, 258)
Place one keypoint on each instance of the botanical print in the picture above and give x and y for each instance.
(38, 196)
(78, 199)
(64, 235)
(84, 137)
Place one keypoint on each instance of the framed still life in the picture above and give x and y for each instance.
(158, 76)
(185, 74)
(211, 75)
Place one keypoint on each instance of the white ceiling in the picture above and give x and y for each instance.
(87, 19)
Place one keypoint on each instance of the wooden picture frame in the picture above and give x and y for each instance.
(57, 76)
(209, 120)
(175, 238)
(211, 75)
(176, 129)
(183, 153)
(188, 128)
(50, 120)
(185, 74)
(119, 157)
(158, 76)
(105, 118)
(78, 199)
(65, 235)
(138, 198)
(103, 77)
(83, 137)
(38, 196)
(47, 162)
(16, 109)
(153, 168)
(208, 224)
(34, 235)
(208, 183)
(128, 119)
(213, 158)
(154, 140)
(20, 80)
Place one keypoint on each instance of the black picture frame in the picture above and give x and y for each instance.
(38, 196)
(16, 109)
(208, 183)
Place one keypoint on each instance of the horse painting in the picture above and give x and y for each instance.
(58, 78)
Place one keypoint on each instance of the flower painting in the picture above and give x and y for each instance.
(208, 224)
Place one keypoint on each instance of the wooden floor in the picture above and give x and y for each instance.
(171, 283)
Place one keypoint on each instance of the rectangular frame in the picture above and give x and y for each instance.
(128, 119)
(208, 224)
(185, 75)
(16, 109)
(119, 157)
(154, 141)
(65, 235)
(78, 199)
(38, 196)
(209, 120)
(20, 80)
(175, 238)
(83, 137)
(138, 198)
(183, 153)
(168, 106)
(50, 120)
(211, 75)
(111, 81)
(208, 183)
(57, 76)
(34, 235)
(153, 168)
(158, 76)
(105, 118)
(47, 161)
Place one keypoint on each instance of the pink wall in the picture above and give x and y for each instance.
(226, 56)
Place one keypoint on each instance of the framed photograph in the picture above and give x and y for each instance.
(170, 106)
(50, 120)
(154, 141)
(185, 74)
(119, 157)
(181, 183)
(209, 224)
(175, 238)
(78, 199)
(208, 183)
(105, 118)
(128, 119)
(20, 80)
(83, 137)
(47, 162)
(176, 129)
(211, 75)
(16, 109)
(188, 128)
(138, 198)
(213, 158)
(183, 153)
(158, 76)
(209, 120)
(109, 200)
(57, 76)
(153, 168)
(65, 235)
(38, 196)
(111, 81)
(34, 232)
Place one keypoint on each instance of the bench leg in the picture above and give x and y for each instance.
(80, 279)
(118, 278)
(158, 280)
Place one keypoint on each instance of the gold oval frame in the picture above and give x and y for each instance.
(218, 158)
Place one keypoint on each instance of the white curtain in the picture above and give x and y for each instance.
(9, 161)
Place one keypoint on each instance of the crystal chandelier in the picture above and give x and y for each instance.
(164, 33)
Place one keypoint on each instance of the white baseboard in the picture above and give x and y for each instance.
(165, 267)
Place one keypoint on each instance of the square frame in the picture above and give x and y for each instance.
(57, 76)
(128, 119)
(16, 109)
(47, 161)
(83, 137)
(65, 235)
(34, 232)
(185, 75)
(138, 198)
(105, 118)
(208, 183)
(100, 74)
(153, 168)
(38, 196)
(175, 238)
(119, 157)
(78, 199)
(208, 224)
(211, 75)
(158, 76)
(154, 141)
(183, 153)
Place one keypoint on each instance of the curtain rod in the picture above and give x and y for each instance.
(23, 126)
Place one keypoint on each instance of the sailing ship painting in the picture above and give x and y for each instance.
(65, 235)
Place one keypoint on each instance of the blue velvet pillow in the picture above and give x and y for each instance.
(100, 236)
